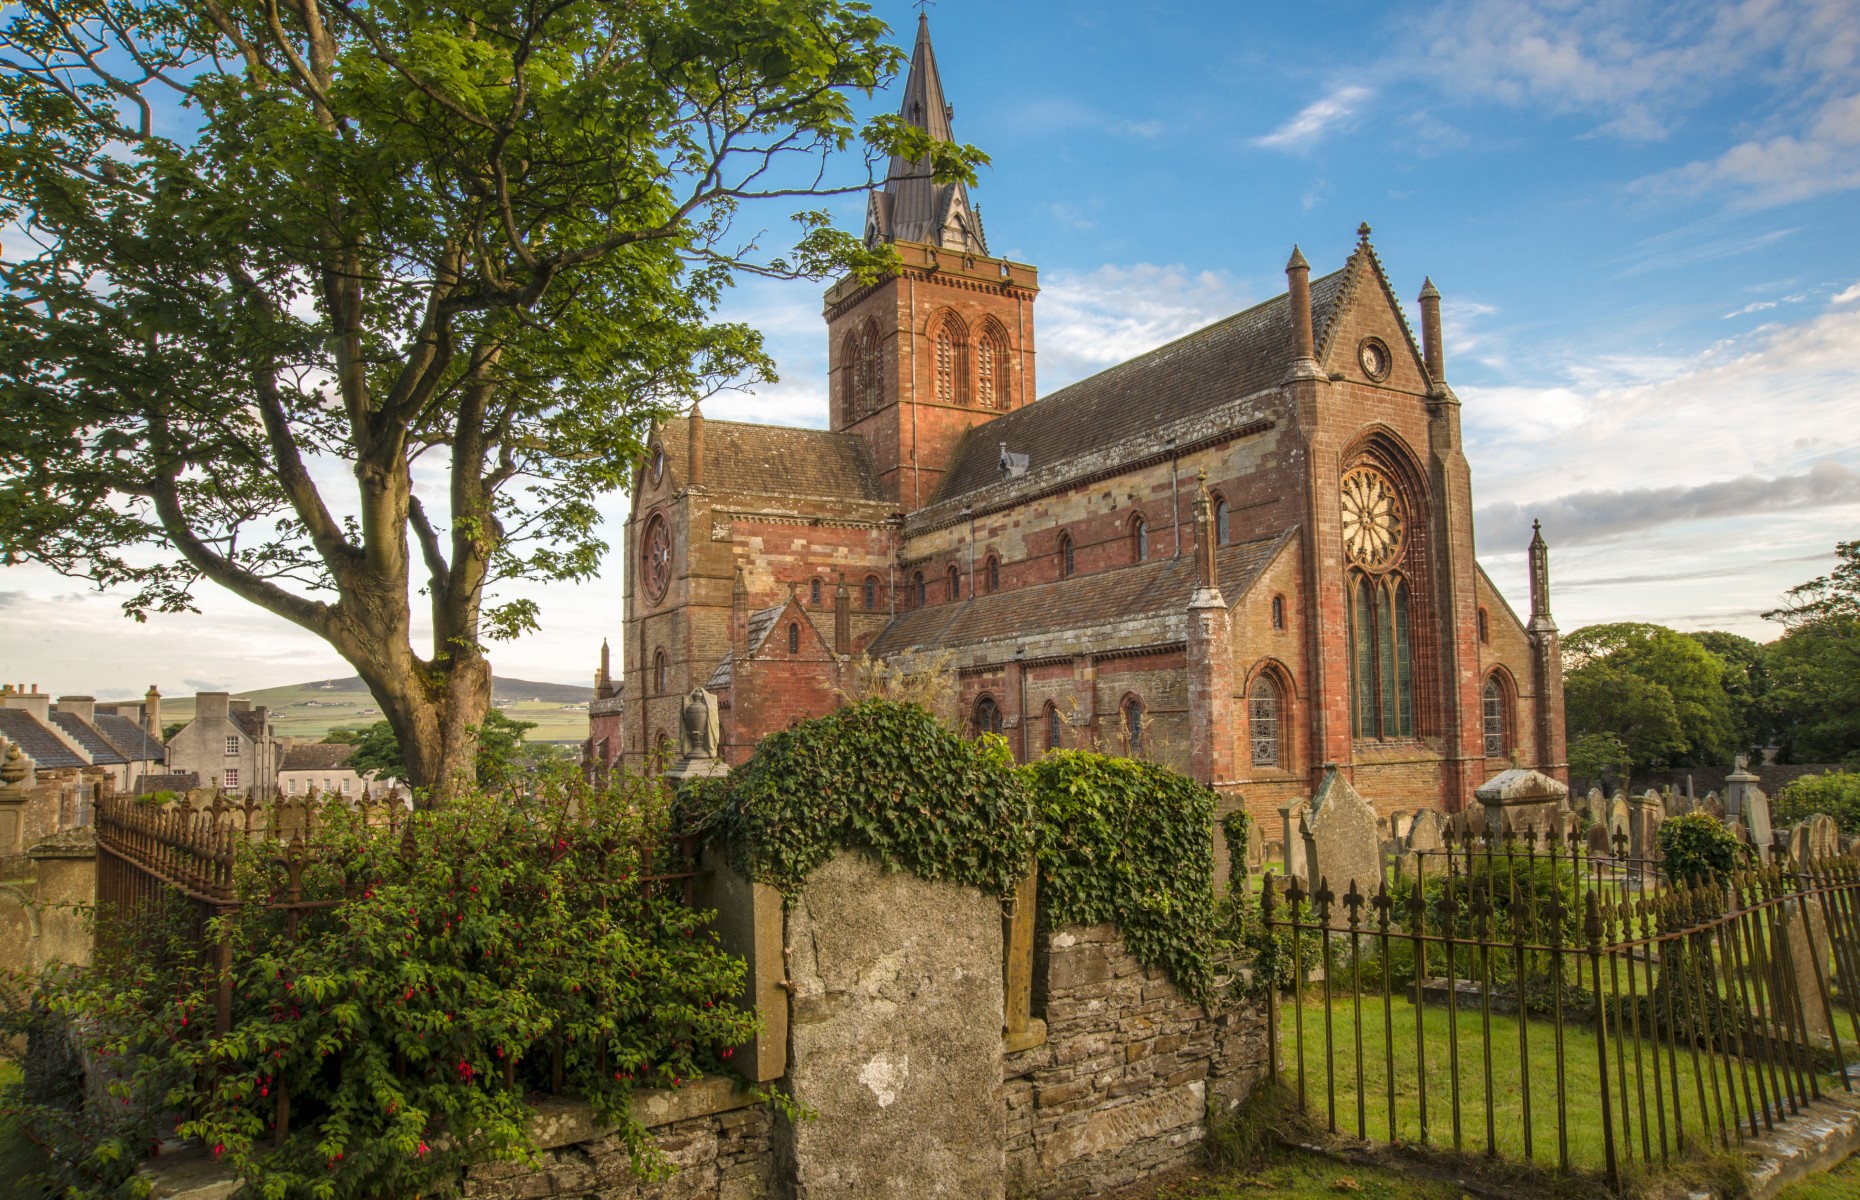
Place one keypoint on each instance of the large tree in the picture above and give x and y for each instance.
(1662, 693)
(276, 257)
(1814, 695)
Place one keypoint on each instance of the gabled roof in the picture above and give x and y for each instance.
(773, 460)
(762, 623)
(251, 721)
(1234, 357)
(316, 757)
(1158, 588)
(35, 741)
(130, 739)
(102, 753)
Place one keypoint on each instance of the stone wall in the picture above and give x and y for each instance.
(1129, 1071)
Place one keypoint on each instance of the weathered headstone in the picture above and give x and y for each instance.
(1424, 831)
(1619, 820)
(1737, 785)
(1521, 799)
(1404, 822)
(1291, 819)
(1599, 846)
(1651, 821)
(1757, 816)
(1824, 836)
(1714, 804)
(1343, 844)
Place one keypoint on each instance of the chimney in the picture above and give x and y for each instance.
(694, 444)
(84, 708)
(212, 706)
(842, 618)
(38, 703)
(739, 614)
(1431, 349)
(151, 712)
(1298, 284)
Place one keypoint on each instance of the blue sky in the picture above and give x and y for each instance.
(1642, 217)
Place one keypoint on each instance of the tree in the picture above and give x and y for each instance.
(1814, 695)
(1835, 595)
(501, 751)
(279, 256)
(1746, 685)
(1602, 699)
(1661, 692)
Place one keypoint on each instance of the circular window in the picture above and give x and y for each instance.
(1375, 525)
(656, 557)
(1375, 357)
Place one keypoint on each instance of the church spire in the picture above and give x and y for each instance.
(912, 206)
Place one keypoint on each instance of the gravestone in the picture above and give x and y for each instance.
(1597, 807)
(1756, 815)
(1292, 817)
(1404, 822)
(1650, 833)
(1424, 831)
(1255, 852)
(1824, 836)
(1737, 786)
(1619, 821)
(1739, 830)
(1343, 845)
(1599, 846)
(1519, 799)
(1714, 804)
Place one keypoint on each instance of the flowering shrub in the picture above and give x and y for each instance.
(402, 1025)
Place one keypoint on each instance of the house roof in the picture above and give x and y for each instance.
(760, 623)
(35, 741)
(332, 756)
(1158, 588)
(150, 784)
(1232, 358)
(772, 460)
(101, 752)
(252, 721)
(130, 739)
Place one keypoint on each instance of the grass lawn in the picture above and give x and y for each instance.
(1294, 1176)
(1842, 1183)
(1580, 1089)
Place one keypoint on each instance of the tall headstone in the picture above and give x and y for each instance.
(1737, 786)
(1619, 821)
(1598, 807)
(1599, 846)
(1404, 822)
(1343, 845)
(1424, 832)
(1292, 838)
(1756, 816)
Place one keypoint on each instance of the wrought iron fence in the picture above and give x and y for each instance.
(1557, 1005)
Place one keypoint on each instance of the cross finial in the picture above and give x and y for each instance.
(923, 7)
(1362, 231)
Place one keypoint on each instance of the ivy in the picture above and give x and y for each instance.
(1130, 842)
(884, 778)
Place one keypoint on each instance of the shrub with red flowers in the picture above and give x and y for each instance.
(456, 966)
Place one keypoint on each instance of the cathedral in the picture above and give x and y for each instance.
(1246, 554)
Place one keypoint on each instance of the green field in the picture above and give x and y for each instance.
(311, 710)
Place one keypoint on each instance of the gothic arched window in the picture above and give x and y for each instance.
(794, 637)
(1139, 539)
(1263, 721)
(661, 673)
(1485, 627)
(852, 379)
(813, 591)
(1067, 562)
(1278, 612)
(991, 369)
(987, 715)
(952, 582)
(991, 574)
(1496, 714)
(1381, 657)
(952, 368)
(1220, 521)
(871, 375)
(919, 590)
(1051, 717)
(1133, 726)
(871, 591)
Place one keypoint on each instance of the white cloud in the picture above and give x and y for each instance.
(1095, 319)
(1849, 296)
(1823, 157)
(1316, 119)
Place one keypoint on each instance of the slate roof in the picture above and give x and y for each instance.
(1157, 588)
(149, 784)
(773, 460)
(35, 741)
(101, 752)
(1234, 357)
(252, 721)
(130, 740)
(317, 757)
(760, 622)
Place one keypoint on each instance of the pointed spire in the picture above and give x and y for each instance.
(1362, 233)
(1540, 575)
(1297, 261)
(913, 207)
(1207, 573)
(1432, 349)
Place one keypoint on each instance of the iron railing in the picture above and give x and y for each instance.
(1515, 993)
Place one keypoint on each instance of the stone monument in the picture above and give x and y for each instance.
(1518, 799)
(699, 739)
(1343, 845)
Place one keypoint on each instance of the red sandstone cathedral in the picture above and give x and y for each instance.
(1246, 554)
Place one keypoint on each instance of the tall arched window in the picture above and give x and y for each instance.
(1220, 521)
(871, 374)
(794, 637)
(1133, 726)
(1381, 658)
(871, 591)
(991, 575)
(919, 590)
(1263, 721)
(952, 368)
(953, 582)
(1067, 563)
(1278, 612)
(1051, 718)
(852, 379)
(991, 369)
(1485, 626)
(813, 591)
(1496, 724)
(987, 715)
(661, 673)
(1139, 539)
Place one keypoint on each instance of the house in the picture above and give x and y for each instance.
(322, 769)
(229, 744)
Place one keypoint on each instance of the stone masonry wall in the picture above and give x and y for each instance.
(1121, 1089)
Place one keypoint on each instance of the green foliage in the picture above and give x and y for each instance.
(270, 252)
(885, 778)
(1696, 848)
(1836, 793)
(1128, 841)
(1662, 693)
(1592, 755)
(502, 927)
(1746, 686)
(1814, 696)
(502, 755)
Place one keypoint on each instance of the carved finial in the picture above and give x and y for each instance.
(13, 771)
(1362, 232)
(1428, 290)
(1297, 261)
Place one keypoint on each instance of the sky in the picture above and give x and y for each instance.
(1641, 216)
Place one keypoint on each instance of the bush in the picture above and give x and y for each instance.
(1696, 849)
(1836, 793)
(409, 1019)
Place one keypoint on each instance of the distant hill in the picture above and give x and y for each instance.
(311, 710)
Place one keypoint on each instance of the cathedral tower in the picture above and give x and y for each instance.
(944, 343)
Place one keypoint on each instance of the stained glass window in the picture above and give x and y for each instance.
(1494, 719)
(1263, 721)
